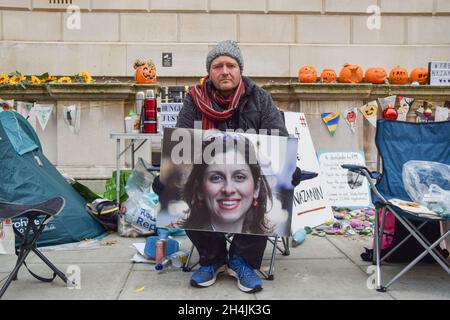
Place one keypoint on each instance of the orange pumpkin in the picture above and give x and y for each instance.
(145, 72)
(376, 75)
(419, 75)
(328, 76)
(398, 75)
(351, 73)
(307, 74)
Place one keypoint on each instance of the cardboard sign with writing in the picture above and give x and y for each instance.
(311, 207)
(344, 188)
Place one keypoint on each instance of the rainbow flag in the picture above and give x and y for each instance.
(331, 119)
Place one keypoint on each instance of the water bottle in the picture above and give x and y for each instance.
(175, 260)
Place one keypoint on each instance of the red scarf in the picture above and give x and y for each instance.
(203, 102)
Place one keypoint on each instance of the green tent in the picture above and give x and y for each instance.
(28, 177)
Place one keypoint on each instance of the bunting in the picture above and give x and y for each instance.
(331, 120)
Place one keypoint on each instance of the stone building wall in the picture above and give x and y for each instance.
(277, 37)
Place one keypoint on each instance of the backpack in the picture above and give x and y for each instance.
(106, 212)
(395, 232)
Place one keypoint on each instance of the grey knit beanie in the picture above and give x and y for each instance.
(225, 48)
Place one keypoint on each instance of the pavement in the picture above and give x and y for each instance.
(320, 268)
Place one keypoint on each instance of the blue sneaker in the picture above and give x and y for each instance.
(205, 276)
(248, 280)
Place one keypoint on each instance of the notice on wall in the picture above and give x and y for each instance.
(439, 72)
(311, 207)
(344, 188)
(169, 114)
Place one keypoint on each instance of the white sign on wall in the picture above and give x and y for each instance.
(439, 73)
(169, 114)
(344, 188)
(311, 207)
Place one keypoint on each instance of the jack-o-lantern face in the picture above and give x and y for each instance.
(328, 76)
(399, 75)
(419, 75)
(376, 75)
(370, 111)
(307, 74)
(351, 74)
(145, 74)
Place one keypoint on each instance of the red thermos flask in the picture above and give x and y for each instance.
(149, 113)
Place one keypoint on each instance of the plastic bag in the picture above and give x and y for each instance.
(141, 206)
(428, 183)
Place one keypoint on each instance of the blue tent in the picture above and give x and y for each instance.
(28, 177)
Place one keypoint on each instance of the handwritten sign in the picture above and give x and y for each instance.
(311, 207)
(344, 188)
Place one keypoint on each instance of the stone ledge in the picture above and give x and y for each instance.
(364, 91)
(75, 91)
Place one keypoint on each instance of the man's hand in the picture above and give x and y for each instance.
(157, 185)
(300, 175)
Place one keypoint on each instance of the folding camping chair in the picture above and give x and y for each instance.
(397, 143)
(37, 216)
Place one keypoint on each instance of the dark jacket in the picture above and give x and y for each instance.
(256, 110)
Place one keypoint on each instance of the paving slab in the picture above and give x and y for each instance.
(352, 247)
(175, 286)
(422, 282)
(318, 279)
(312, 248)
(98, 281)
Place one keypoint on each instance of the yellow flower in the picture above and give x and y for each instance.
(4, 79)
(35, 80)
(14, 80)
(51, 78)
(86, 76)
(64, 80)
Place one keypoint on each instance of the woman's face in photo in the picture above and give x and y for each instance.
(229, 190)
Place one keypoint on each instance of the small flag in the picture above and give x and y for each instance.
(441, 114)
(43, 113)
(405, 105)
(72, 117)
(350, 116)
(370, 111)
(331, 119)
(24, 108)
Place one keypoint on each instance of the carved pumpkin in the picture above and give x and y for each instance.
(351, 74)
(328, 76)
(307, 74)
(145, 72)
(398, 75)
(376, 75)
(419, 75)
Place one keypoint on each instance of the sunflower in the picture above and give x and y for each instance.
(64, 80)
(86, 76)
(35, 80)
(4, 79)
(14, 80)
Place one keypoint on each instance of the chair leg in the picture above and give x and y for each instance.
(377, 244)
(187, 267)
(58, 272)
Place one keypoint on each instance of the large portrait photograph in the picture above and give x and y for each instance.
(230, 182)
